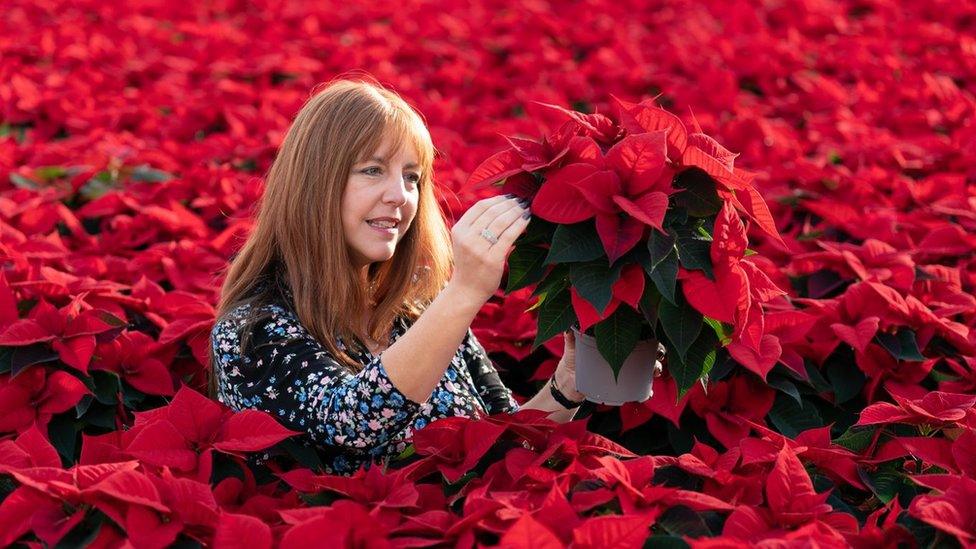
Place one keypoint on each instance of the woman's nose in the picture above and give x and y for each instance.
(396, 189)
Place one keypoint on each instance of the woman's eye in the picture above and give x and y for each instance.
(376, 170)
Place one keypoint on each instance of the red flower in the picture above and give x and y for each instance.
(697, 150)
(454, 445)
(728, 405)
(70, 331)
(662, 403)
(342, 524)
(140, 361)
(505, 326)
(789, 491)
(791, 503)
(873, 260)
(191, 321)
(26, 509)
(612, 531)
(952, 511)
(815, 445)
(30, 449)
(525, 156)
(33, 396)
(234, 530)
(625, 190)
(183, 435)
(735, 294)
(883, 533)
(935, 408)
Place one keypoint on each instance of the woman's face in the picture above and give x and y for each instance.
(379, 203)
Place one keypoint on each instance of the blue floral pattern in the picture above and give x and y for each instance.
(353, 419)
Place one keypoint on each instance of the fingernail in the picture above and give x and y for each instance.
(524, 202)
(509, 195)
(526, 214)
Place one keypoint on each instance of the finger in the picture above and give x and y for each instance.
(490, 218)
(497, 228)
(506, 240)
(505, 220)
(493, 212)
(479, 208)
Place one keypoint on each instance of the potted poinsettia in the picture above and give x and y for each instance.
(637, 238)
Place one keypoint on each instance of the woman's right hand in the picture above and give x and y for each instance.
(479, 264)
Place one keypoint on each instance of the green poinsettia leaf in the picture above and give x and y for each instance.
(681, 323)
(698, 195)
(594, 281)
(649, 304)
(659, 245)
(558, 277)
(694, 253)
(665, 276)
(696, 364)
(792, 418)
(617, 336)
(575, 243)
(901, 345)
(539, 231)
(856, 439)
(722, 330)
(525, 266)
(556, 315)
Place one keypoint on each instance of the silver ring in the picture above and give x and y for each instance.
(490, 236)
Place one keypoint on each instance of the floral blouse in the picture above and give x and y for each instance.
(353, 419)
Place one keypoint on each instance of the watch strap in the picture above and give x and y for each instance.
(560, 397)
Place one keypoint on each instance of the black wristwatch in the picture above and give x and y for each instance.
(560, 397)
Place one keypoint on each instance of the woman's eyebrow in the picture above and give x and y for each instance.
(382, 160)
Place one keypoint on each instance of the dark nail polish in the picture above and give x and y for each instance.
(526, 214)
(524, 202)
(509, 195)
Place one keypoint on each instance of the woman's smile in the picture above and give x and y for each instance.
(385, 231)
(386, 226)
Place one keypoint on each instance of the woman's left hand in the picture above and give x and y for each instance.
(566, 369)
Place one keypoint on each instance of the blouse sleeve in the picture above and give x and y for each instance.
(296, 379)
(496, 395)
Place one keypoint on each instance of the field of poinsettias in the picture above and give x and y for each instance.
(133, 139)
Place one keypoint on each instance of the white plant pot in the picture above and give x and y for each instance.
(594, 377)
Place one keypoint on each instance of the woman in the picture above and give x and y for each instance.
(346, 313)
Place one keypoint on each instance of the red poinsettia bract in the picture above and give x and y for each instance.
(736, 294)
